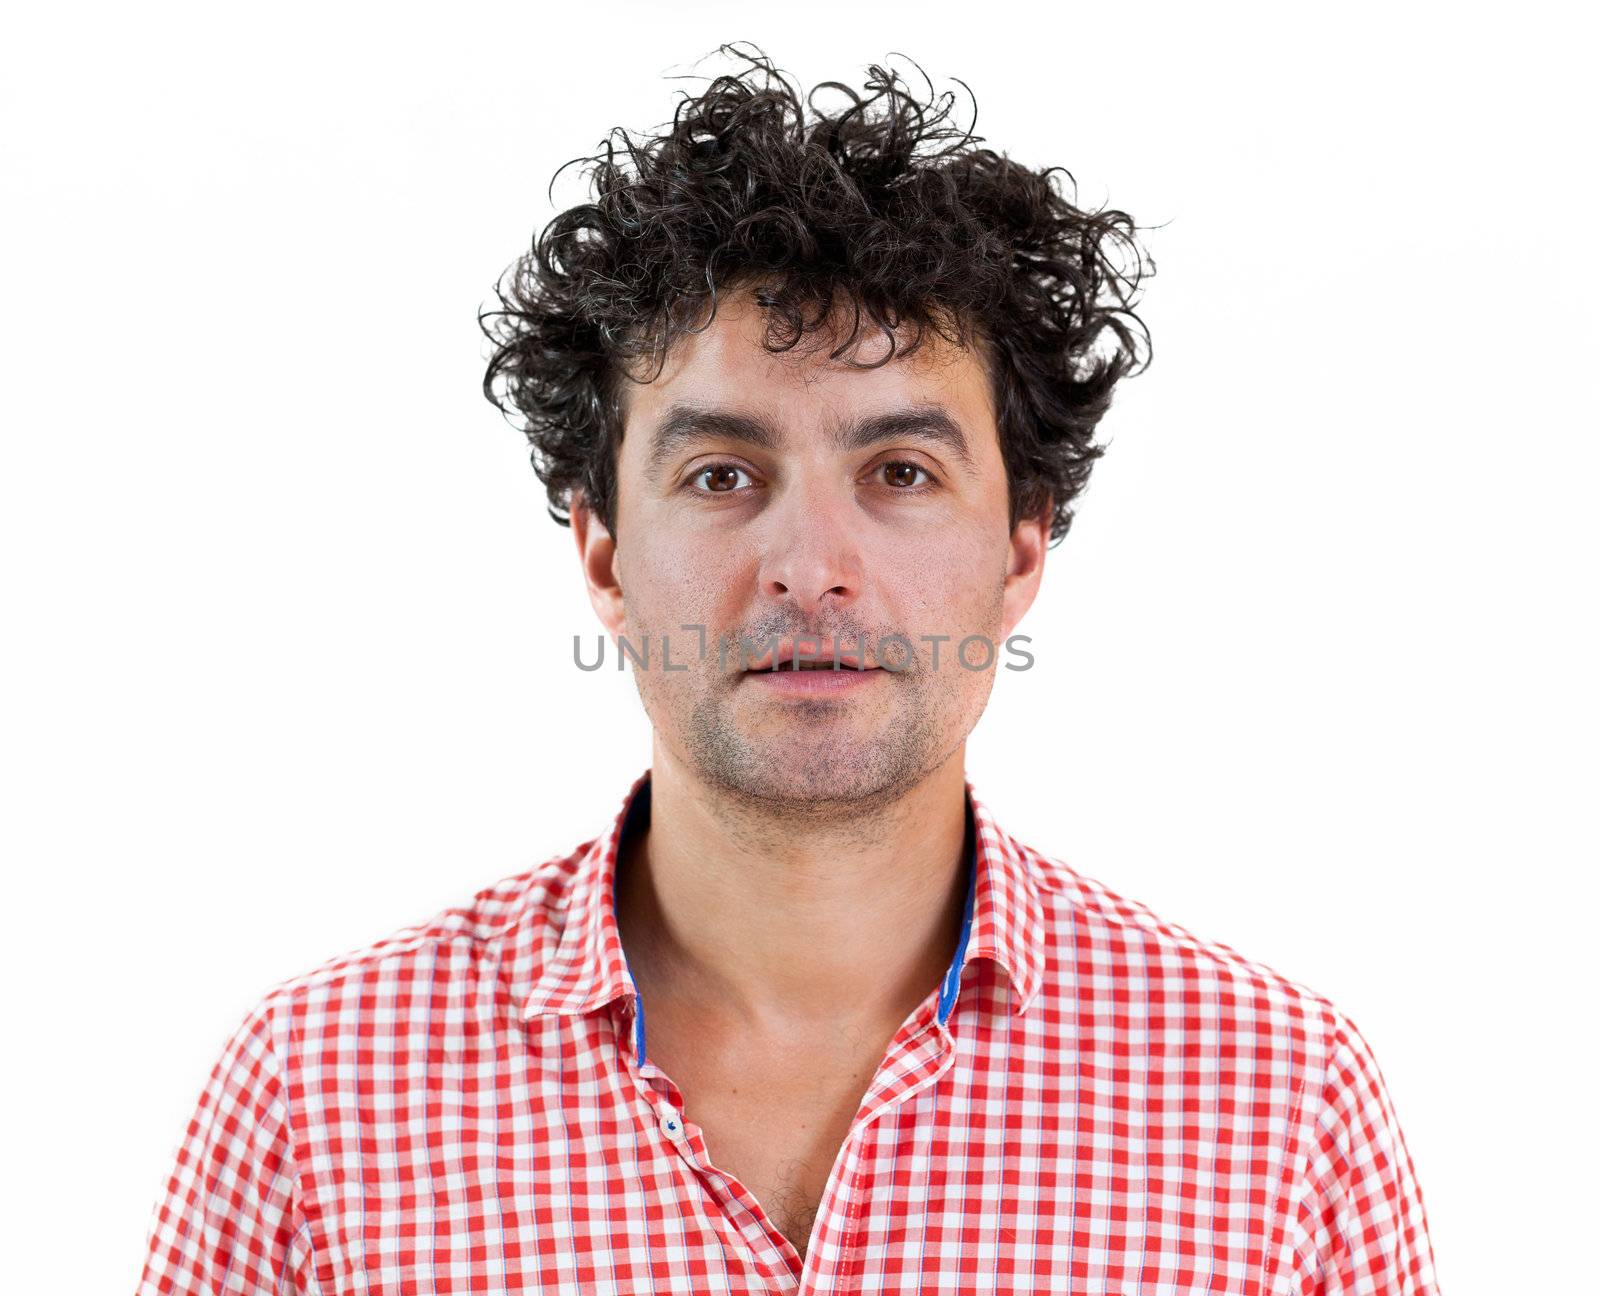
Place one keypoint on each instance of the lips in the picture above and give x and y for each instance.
(814, 653)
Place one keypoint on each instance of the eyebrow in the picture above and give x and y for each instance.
(684, 424)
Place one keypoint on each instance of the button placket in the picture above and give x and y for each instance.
(671, 1122)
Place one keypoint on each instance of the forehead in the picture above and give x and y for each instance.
(728, 361)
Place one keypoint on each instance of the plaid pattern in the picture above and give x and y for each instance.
(1092, 1101)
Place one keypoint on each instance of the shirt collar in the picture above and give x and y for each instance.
(584, 968)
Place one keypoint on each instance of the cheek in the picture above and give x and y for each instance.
(675, 581)
(942, 588)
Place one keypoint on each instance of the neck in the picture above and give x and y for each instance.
(777, 922)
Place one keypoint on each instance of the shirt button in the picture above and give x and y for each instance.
(671, 1123)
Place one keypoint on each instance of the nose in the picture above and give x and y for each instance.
(812, 554)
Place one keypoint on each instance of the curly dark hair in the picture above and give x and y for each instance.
(882, 201)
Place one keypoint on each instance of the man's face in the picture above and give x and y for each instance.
(790, 495)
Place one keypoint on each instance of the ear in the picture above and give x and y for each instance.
(597, 555)
(1025, 568)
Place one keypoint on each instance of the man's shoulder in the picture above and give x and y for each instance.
(512, 919)
(1126, 946)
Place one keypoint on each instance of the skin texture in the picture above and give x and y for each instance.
(800, 887)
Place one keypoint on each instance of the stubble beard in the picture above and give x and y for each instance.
(805, 759)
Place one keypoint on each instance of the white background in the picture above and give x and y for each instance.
(289, 631)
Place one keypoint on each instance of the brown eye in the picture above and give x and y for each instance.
(721, 478)
(903, 474)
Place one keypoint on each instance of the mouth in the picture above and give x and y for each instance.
(802, 653)
(809, 668)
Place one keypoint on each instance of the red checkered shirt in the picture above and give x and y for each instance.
(1091, 1101)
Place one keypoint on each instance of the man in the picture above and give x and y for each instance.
(815, 393)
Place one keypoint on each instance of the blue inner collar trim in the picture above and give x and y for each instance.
(952, 978)
(633, 822)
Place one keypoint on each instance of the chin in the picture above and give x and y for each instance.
(802, 771)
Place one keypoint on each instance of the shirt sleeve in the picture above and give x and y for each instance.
(1361, 1227)
(229, 1221)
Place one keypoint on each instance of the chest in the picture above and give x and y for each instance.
(775, 1117)
(477, 1162)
